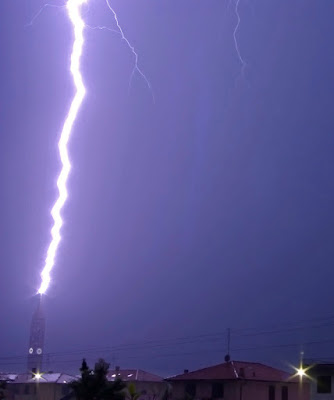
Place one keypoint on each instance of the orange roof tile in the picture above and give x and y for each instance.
(236, 370)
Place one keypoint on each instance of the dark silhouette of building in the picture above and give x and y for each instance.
(239, 380)
(36, 342)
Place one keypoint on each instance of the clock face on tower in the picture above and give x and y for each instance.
(31, 350)
(39, 351)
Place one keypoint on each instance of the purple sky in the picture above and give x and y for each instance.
(212, 208)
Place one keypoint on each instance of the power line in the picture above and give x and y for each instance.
(195, 339)
(283, 345)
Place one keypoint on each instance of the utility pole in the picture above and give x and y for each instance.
(113, 361)
(228, 341)
(47, 366)
(228, 345)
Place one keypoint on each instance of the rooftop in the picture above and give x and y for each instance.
(318, 361)
(235, 370)
(52, 377)
(7, 377)
(133, 375)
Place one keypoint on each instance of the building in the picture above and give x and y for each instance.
(5, 379)
(36, 339)
(54, 386)
(321, 375)
(48, 386)
(237, 380)
(148, 386)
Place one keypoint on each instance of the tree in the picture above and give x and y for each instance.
(94, 384)
(166, 394)
(2, 389)
(131, 393)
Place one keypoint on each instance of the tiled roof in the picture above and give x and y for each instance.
(312, 361)
(236, 370)
(133, 375)
(55, 377)
(7, 377)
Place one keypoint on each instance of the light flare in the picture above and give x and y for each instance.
(301, 372)
(73, 9)
(37, 376)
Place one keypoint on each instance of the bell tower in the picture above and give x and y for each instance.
(36, 341)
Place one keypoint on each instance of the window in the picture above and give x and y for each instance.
(285, 392)
(271, 392)
(324, 384)
(217, 390)
(191, 390)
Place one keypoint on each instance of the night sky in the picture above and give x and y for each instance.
(210, 208)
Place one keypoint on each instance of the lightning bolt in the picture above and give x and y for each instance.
(236, 45)
(126, 40)
(45, 6)
(119, 31)
(73, 9)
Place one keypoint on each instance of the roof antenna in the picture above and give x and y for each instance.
(228, 357)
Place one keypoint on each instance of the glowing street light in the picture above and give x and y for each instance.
(301, 372)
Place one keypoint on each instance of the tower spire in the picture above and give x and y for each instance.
(36, 340)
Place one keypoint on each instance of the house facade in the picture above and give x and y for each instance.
(321, 380)
(235, 380)
(54, 386)
(148, 386)
(50, 386)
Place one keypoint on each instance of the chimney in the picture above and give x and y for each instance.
(185, 371)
